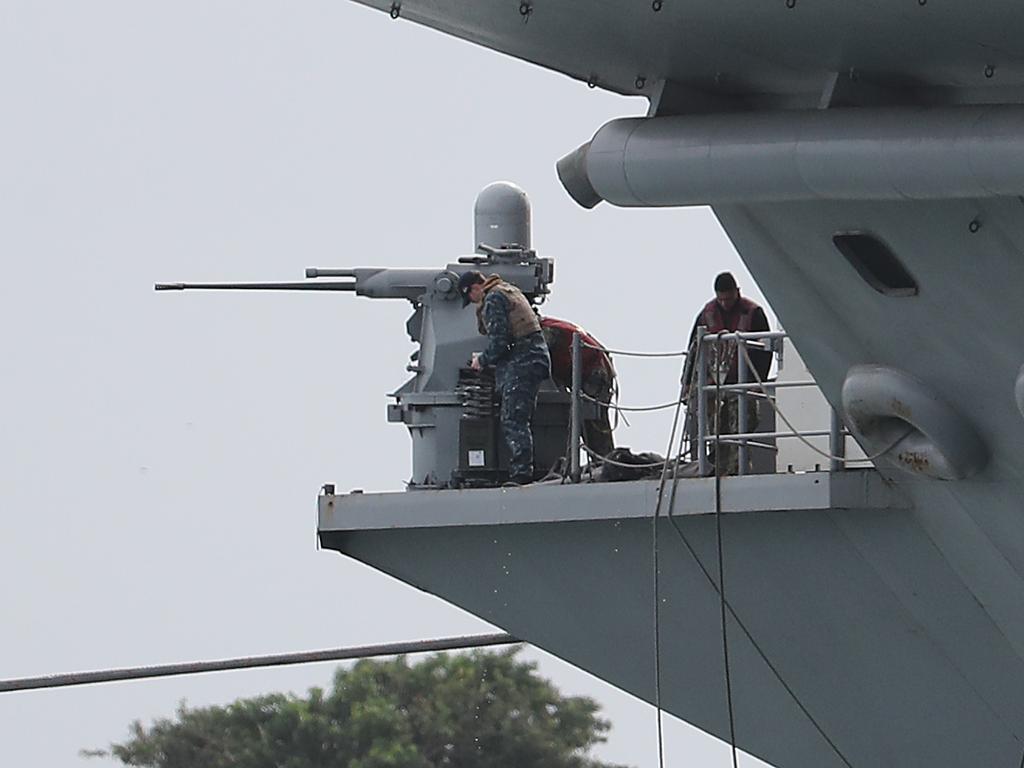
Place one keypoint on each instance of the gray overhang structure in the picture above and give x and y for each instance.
(818, 566)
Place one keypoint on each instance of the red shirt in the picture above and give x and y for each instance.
(558, 334)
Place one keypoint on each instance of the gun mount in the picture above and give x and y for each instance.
(448, 408)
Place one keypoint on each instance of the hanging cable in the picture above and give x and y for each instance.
(657, 580)
(735, 617)
(711, 580)
(657, 638)
(252, 662)
(726, 608)
(625, 353)
(721, 562)
(630, 409)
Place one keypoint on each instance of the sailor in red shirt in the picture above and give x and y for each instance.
(598, 377)
(728, 311)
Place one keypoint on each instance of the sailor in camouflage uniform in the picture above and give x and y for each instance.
(519, 354)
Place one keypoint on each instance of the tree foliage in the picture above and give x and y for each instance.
(474, 710)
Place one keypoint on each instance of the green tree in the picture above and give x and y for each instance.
(474, 710)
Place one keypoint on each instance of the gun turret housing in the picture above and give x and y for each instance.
(432, 404)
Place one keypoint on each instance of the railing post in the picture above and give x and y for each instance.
(700, 381)
(741, 403)
(836, 443)
(575, 411)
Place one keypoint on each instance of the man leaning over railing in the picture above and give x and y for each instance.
(729, 312)
(598, 377)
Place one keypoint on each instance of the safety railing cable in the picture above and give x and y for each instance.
(800, 435)
(628, 353)
(631, 408)
(578, 396)
(743, 390)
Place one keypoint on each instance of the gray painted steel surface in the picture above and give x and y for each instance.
(1019, 391)
(502, 217)
(900, 630)
(836, 154)
(447, 336)
(960, 334)
(898, 416)
(547, 503)
(868, 623)
(754, 52)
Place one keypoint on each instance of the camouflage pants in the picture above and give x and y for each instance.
(518, 387)
(727, 420)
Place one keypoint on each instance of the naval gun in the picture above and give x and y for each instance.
(450, 410)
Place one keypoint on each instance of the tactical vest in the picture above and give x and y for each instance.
(739, 319)
(522, 320)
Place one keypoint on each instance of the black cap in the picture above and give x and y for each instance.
(470, 278)
(725, 282)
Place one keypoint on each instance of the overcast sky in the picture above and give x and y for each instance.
(160, 454)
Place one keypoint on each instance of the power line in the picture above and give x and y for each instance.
(253, 662)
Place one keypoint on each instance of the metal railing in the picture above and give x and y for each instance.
(742, 389)
(576, 417)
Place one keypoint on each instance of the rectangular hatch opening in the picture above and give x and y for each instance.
(876, 263)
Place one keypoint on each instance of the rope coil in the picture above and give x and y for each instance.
(606, 460)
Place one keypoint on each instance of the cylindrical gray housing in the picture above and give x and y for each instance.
(502, 216)
(1018, 390)
(834, 154)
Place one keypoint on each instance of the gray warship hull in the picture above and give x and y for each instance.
(876, 616)
(853, 639)
(878, 626)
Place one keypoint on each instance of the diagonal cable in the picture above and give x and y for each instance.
(253, 662)
(743, 627)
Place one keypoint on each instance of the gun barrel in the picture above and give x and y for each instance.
(337, 286)
(317, 272)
